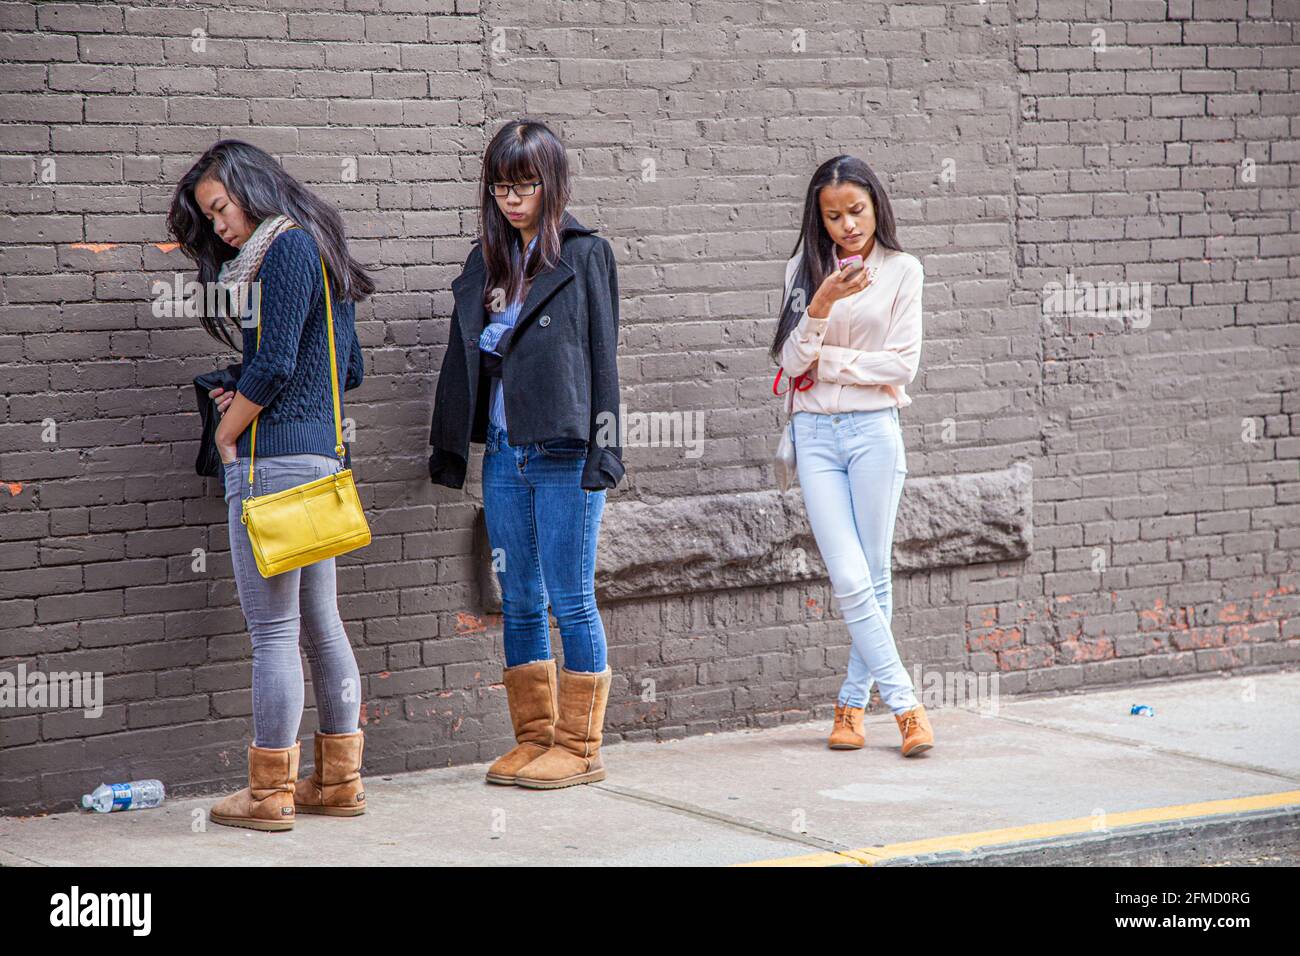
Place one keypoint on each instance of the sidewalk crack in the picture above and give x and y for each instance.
(850, 854)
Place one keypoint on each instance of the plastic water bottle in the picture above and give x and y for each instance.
(136, 795)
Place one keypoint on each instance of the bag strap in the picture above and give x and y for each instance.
(334, 379)
(794, 385)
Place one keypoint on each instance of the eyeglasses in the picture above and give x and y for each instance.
(521, 190)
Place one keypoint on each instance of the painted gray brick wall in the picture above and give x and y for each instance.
(1129, 141)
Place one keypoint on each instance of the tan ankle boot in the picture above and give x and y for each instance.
(917, 734)
(334, 787)
(267, 802)
(848, 732)
(575, 758)
(531, 697)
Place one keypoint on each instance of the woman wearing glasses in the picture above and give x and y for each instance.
(849, 339)
(530, 370)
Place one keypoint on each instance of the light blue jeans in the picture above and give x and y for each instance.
(273, 608)
(851, 467)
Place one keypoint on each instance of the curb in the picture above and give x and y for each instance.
(1183, 833)
(1173, 843)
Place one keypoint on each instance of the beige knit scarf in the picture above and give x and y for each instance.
(237, 274)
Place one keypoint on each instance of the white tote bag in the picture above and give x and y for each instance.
(784, 460)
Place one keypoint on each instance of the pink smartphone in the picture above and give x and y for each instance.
(850, 264)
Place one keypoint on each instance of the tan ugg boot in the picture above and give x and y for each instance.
(334, 787)
(918, 737)
(575, 758)
(848, 732)
(267, 802)
(531, 697)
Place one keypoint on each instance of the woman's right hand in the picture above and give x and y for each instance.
(838, 285)
(223, 398)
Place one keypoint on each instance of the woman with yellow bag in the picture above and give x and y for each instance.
(250, 226)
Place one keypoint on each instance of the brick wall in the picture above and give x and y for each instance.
(1159, 145)
(1020, 148)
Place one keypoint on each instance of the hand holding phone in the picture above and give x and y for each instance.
(849, 278)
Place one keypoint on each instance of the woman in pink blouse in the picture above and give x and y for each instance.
(849, 341)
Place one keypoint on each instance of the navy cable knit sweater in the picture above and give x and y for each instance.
(289, 374)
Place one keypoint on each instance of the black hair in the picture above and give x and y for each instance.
(818, 259)
(258, 183)
(522, 150)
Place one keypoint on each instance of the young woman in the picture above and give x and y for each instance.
(530, 371)
(849, 340)
(244, 220)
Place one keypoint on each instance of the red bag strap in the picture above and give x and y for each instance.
(799, 383)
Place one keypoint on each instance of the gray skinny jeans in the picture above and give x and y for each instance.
(273, 608)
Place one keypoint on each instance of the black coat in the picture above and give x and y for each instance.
(558, 368)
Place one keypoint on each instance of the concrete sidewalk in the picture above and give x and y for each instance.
(1070, 779)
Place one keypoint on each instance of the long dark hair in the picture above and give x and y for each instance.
(523, 149)
(262, 188)
(818, 259)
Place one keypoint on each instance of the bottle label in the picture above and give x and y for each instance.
(121, 796)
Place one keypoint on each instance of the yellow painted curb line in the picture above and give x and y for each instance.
(1038, 831)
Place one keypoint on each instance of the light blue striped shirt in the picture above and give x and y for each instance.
(488, 342)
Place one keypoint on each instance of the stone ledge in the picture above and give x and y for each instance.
(707, 542)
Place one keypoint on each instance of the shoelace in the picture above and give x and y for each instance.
(910, 719)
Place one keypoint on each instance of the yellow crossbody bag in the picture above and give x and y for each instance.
(313, 521)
